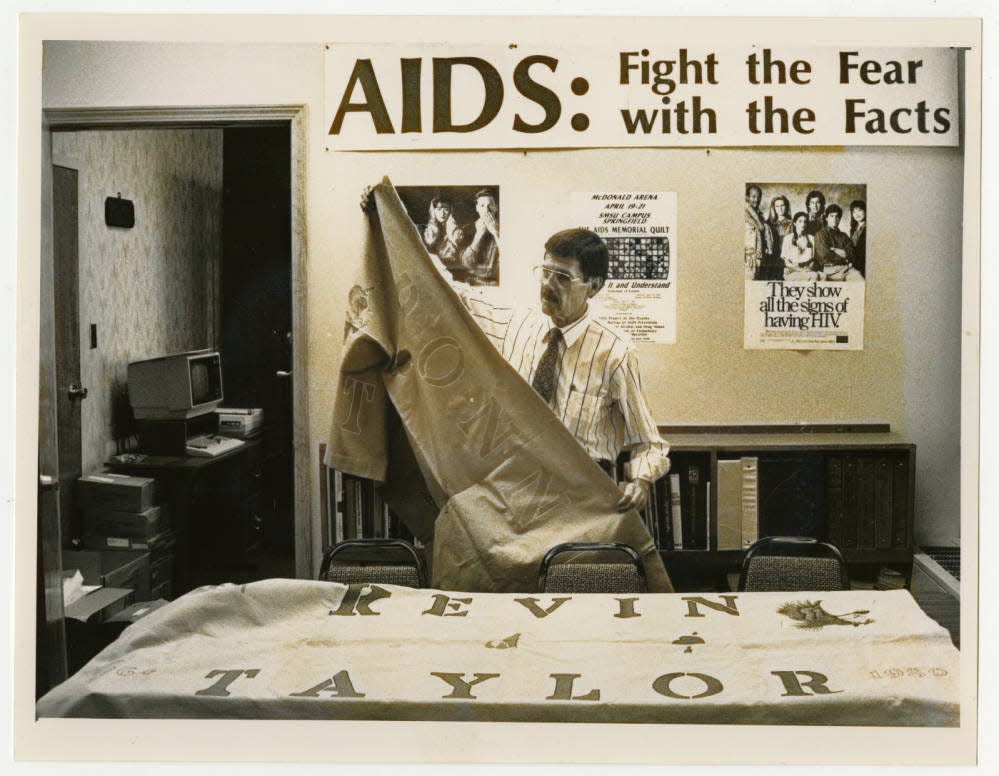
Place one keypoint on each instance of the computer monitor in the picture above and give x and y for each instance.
(175, 387)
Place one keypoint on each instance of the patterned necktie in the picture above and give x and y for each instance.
(544, 375)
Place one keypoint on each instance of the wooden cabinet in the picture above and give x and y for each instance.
(854, 488)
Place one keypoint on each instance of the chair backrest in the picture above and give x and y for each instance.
(389, 561)
(592, 567)
(793, 563)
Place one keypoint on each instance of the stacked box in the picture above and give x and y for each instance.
(121, 516)
(239, 423)
(141, 526)
(117, 492)
(96, 607)
(161, 557)
(127, 569)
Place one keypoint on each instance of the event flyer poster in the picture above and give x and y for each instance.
(639, 227)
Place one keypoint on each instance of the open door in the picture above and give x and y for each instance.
(66, 293)
(50, 641)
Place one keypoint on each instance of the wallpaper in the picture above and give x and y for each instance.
(152, 289)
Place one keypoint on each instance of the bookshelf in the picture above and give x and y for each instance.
(353, 508)
(852, 485)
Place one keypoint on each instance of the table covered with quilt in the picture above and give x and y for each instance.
(293, 649)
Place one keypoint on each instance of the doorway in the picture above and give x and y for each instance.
(256, 339)
(238, 328)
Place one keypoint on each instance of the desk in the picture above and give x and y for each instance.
(211, 503)
(296, 649)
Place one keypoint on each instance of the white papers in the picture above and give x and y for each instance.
(73, 588)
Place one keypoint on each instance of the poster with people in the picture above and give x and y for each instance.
(459, 225)
(805, 265)
(639, 227)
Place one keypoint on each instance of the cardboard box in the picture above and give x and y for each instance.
(134, 525)
(239, 423)
(122, 492)
(100, 605)
(235, 412)
(161, 542)
(112, 568)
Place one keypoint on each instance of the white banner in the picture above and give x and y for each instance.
(636, 93)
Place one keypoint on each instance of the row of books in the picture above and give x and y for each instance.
(678, 515)
(357, 510)
(867, 500)
(854, 501)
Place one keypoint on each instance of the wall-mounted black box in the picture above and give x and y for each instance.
(119, 212)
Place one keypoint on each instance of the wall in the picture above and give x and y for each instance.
(908, 373)
(150, 289)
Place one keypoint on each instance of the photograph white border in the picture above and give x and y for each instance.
(353, 741)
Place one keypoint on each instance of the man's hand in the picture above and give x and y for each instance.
(368, 199)
(635, 496)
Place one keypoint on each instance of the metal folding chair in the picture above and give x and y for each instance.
(592, 567)
(793, 563)
(389, 561)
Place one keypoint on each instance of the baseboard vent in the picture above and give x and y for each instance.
(948, 557)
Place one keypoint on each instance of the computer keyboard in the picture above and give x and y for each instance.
(209, 446)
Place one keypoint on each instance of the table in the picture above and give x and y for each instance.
(295, 649)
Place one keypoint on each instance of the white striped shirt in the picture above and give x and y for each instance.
(598, 390)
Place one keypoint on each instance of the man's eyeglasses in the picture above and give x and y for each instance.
(544, 274)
